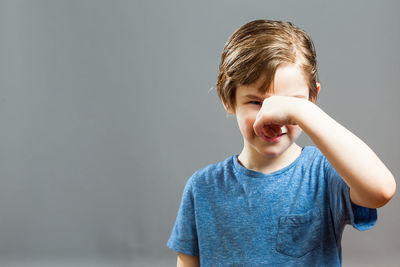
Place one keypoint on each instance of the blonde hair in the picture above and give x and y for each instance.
(258, 48)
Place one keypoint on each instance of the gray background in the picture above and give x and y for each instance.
(106, 111)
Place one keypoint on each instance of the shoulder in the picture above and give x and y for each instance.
(319, 165)
(312, 154)
(313, 160)
(212, 173)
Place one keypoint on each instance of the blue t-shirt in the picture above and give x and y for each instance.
(233, 216)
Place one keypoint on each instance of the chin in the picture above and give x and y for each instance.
(272, 152)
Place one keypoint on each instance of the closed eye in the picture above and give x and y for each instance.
(255, 102)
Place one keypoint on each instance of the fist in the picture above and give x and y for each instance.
(275, 112)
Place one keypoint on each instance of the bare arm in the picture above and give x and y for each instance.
(371, 183)
(187, 261)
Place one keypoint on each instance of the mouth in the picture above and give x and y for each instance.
(276, 138)
(273, 139)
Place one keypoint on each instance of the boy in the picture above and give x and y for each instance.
(277, 204)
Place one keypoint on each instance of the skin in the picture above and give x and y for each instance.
(187, 261)
(258, 154)
(370, 187)
(286, 103)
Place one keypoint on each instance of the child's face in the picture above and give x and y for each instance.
(288, 81)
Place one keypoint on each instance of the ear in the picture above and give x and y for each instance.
(314, 99)
(228, 110)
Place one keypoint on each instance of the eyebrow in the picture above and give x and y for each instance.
(258, 97)
(252, 96)
(303, 96)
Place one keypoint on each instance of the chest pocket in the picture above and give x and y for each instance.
(299, 234)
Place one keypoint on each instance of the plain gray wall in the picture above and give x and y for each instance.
(106, 111)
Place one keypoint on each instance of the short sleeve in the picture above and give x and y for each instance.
(183, 237)
(343, 210)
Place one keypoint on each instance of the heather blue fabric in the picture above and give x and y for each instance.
(233, 216)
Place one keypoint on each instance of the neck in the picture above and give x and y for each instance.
(253, 160)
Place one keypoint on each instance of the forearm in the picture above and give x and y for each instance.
(372, 183)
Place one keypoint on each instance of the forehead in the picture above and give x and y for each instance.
(288, 81)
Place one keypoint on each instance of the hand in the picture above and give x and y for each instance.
(275, 112)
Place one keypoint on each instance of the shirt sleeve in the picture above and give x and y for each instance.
(343, 210)
(183, 237)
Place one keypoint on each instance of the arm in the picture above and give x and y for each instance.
(187, 260)
(371, 183)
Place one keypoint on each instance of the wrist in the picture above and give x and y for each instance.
(304, 112)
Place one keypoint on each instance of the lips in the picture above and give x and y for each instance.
(276, 138)
(273, 139)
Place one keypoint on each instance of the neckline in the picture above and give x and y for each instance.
(256, 174)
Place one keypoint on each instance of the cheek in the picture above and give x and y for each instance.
(246, 125)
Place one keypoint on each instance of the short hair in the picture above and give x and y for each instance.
(258, 48)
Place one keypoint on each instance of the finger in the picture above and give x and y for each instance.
(265, 130)
(257, 126)
(257, 129)
(272, 130)
(268, 132)
(276, 128)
